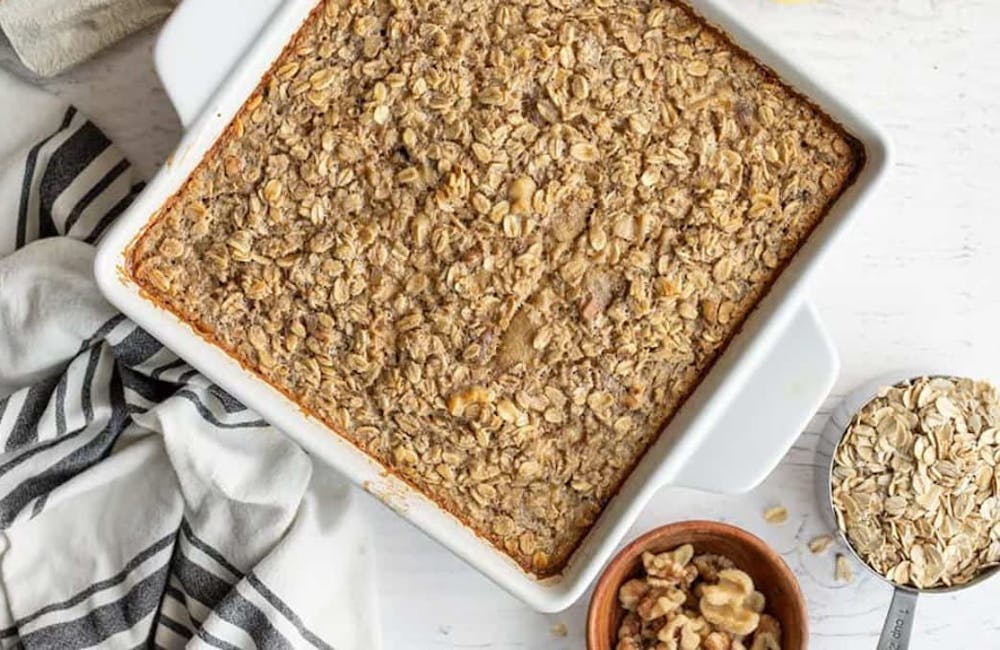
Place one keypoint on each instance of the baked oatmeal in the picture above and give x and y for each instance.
(496, 244)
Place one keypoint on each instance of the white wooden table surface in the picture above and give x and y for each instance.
(916, 283)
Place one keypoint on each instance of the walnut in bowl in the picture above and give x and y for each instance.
(697, 584)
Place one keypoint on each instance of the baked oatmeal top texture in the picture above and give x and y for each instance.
(496, 244)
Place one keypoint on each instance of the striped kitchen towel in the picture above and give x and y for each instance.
(140, 505)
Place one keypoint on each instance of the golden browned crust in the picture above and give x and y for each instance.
(494, 245)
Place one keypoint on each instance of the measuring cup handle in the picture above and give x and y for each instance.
(899, 621)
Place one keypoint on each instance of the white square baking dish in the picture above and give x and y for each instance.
(727, 437)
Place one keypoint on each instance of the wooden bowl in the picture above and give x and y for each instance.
(770, 574)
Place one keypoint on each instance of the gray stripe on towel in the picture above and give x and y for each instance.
(104, 621)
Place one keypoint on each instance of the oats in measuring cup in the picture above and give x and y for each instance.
(915, 481)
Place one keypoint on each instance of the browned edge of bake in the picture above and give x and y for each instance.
(859, 159)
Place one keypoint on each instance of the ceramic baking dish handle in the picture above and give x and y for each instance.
(199, 45)
(775, 403)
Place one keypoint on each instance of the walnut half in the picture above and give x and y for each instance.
(725, 604)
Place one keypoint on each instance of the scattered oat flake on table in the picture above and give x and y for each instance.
(843, 571)
(776, 515)
(820, 544)
(559, 629)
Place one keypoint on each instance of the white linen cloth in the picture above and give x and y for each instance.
(140, 505)
(52, 35)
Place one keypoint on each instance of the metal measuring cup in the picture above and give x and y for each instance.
(902, 609)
